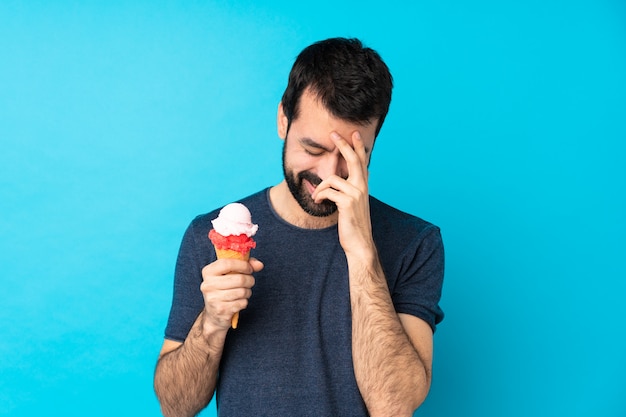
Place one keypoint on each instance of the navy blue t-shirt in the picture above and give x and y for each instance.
(291, 353)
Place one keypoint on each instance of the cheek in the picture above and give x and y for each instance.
(306, 163)
(299, 158)
(298, 161)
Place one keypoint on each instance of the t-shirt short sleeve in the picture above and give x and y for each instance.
(195, 252)
(418, 284)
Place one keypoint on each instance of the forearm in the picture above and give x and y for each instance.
(185, 378)
(391, 376)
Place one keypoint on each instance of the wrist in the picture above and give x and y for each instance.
(365, 271)
(211, 335)
(364, 255)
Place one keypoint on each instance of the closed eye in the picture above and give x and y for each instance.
(311, 147)
(313, 152)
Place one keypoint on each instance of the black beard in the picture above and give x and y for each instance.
(301, 193)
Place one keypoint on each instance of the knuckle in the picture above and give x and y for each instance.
(245, 281)
(221, 310)
(207, 287)
(206, 271)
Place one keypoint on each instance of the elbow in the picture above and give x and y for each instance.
(159, 385)
(421, 390)
(405, 404)
(417, 394)
(407, 407)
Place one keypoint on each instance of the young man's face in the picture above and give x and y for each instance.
(310, 155)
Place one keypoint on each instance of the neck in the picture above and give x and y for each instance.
(290, 211)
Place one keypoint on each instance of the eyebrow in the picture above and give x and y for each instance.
(313, 144)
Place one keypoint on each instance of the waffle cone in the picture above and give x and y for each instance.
(232, 254)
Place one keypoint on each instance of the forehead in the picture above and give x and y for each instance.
(314, 120)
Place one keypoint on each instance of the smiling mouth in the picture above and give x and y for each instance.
(309, 186)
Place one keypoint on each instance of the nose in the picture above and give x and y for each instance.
(333, 164)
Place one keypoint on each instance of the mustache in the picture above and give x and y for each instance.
(310, 177)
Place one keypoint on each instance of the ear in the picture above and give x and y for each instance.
(281, 122)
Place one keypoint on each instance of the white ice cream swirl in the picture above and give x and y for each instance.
(235, 219)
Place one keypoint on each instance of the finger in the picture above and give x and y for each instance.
(227, 266)
(228, 281)
(235, 294)
(338, 197)
(359, 149)
(256, 265)
(224, 311)
(354, 162)
(227, 295)
(332, 182)
(339, 191)
(237, 281)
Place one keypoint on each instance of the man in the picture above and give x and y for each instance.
(338, 318)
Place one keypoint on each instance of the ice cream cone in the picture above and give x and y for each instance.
(232, 236)
(231, 254)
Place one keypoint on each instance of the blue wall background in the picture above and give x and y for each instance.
(120, 121)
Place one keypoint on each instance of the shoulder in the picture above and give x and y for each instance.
(391, 223)
(412, 255)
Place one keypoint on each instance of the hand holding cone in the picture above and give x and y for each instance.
(232, 237)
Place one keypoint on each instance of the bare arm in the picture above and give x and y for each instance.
(392, 354)
(186, 374)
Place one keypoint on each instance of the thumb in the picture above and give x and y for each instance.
(256, 264)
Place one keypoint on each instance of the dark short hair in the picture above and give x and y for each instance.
(351, 80)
